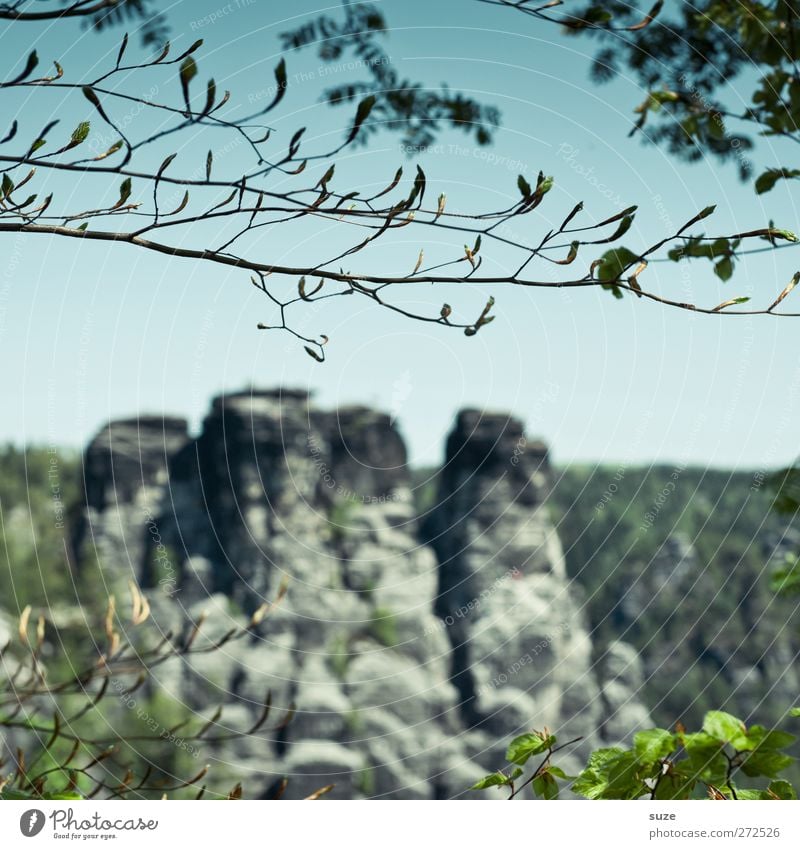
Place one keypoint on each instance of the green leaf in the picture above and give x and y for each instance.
(33, 61)
(768, 763)
(653, 745)
(544, 186)
(91, 96)
(362, 113)
(705, 757)
(188, 72)
(524, 187)
(495, 779)
(795, 711)
(614, 262)
(700, 743)
(545, 786)
(124, 192)
(724, 269)
(522, 747)
(556, 770)
(766, 181)
(280, 75)
(610, 774)
(745, 795)
(782, 234)
(675, 785)
(622, 229)
(113, 149)
(782, 789)
(726, 728)
(589, 784)
(15, 795)
(7, 186)
(730, 303)
(657, 98)
(769, 738)
(79, 134)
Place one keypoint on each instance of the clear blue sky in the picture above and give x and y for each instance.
(89, 332)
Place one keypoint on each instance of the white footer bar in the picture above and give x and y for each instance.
(386, 825)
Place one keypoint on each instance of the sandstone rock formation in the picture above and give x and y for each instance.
(413, 647)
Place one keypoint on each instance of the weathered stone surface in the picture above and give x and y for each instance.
(412, 656)
(126, 478)
(621, 680)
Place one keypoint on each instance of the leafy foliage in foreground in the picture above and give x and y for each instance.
(416, 110)
(715, 76)
(717, 762)
(82, 729)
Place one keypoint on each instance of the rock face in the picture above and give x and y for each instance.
(521, 654)
(413, 647)
(125, 478)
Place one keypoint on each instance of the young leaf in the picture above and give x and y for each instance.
(281, 84)
(362, 113)
(653, 745)
(648, 18)
(124, 193)
(323, 181)
(730, 303)
(495, 779)
(789, 286)
(280, 75)
(90, 95)
(782, 234)
(188, 72)
(7, 186)
(113, 149)
(768, 763)
(79, 134)
(614, 262)
(33, 61)
(699, 217)
(781, 789)
(622, 229)
(522, 747)
(725, 727)
(182, 205)
(211, 96)
(766, 181)
(724, 269)
(557, 771)
(545, 786)
(122, 49)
